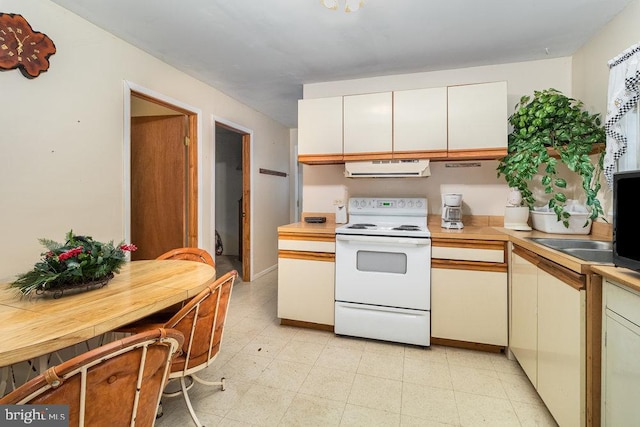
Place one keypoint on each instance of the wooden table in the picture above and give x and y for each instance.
(32, 327)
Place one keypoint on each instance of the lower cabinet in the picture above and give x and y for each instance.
(306, 278)
(620, 350)
(469, 306)
(469, 292)
(548, 333)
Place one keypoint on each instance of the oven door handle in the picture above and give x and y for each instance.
(390, 241)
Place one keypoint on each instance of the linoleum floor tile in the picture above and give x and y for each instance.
(383, 365)
(477, 411)
(429, 403)
(358, 416)
(376, 393)
(328, 383)
(477, 381)
(343, 359)
(425, 372)
(284, 374)
(310, 411)
(262, 406)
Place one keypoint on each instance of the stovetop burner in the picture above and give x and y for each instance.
(361, 226)
(406, 227)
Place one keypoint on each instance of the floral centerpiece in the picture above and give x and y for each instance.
(79, 262)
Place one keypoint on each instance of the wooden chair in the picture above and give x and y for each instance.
(191, 254)
(201, 321)
(117, 384)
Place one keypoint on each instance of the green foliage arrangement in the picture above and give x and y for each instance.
(552, 120)
(78, 261)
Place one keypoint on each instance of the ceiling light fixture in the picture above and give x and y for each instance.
(349, 5)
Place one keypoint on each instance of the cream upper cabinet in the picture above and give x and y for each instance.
(477, 115)
(320, 130)
(368, 126)
(420, 122)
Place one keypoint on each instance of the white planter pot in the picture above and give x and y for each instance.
(517, 218)
(548, 222)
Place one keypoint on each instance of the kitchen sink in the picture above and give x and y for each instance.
(598, 251)
(593, 255)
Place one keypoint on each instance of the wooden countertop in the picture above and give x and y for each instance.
(476, 233)
(306, 228)
(620, 275)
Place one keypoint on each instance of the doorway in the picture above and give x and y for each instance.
(233, 198)
(163, 176)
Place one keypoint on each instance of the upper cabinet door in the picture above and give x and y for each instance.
(320, 130)
(478, 120)
(368, 126)
(420, 123)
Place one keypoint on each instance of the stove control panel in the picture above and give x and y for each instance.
(388, 206)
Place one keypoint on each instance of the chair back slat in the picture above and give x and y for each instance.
(201, 320)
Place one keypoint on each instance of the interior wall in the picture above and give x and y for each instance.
(61, 150)
(590, 70)
(483, 193)
(228, 189)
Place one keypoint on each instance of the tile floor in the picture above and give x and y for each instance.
(286, 376)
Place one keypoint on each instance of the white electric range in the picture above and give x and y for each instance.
(383, 271)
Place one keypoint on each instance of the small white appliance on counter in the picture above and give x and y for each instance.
(452, 211)
(341, 214)
(383, 271)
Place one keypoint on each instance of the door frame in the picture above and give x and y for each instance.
(194, 115)
(247, 184)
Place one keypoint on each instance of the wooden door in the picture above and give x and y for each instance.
(158, 184)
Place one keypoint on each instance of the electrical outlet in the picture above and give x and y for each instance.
(338, 202)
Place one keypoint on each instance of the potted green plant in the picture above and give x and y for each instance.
(547, 129)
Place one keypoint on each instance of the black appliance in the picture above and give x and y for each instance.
(626, 220)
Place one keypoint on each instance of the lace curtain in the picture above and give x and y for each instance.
(623, 122)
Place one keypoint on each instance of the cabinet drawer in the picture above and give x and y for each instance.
(306, 246)
(622, 301)
(467, 254)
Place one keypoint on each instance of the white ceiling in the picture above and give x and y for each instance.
(261, 52)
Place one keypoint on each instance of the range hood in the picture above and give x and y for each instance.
(387, 169)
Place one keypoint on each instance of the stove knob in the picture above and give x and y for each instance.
(419, 204)
(410, 203)
(401, 204)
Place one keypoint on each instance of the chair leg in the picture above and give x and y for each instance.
(221, 383)
(188, 402)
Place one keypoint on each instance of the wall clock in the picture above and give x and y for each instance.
(23, 48)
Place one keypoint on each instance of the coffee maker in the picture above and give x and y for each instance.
(452, 211)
